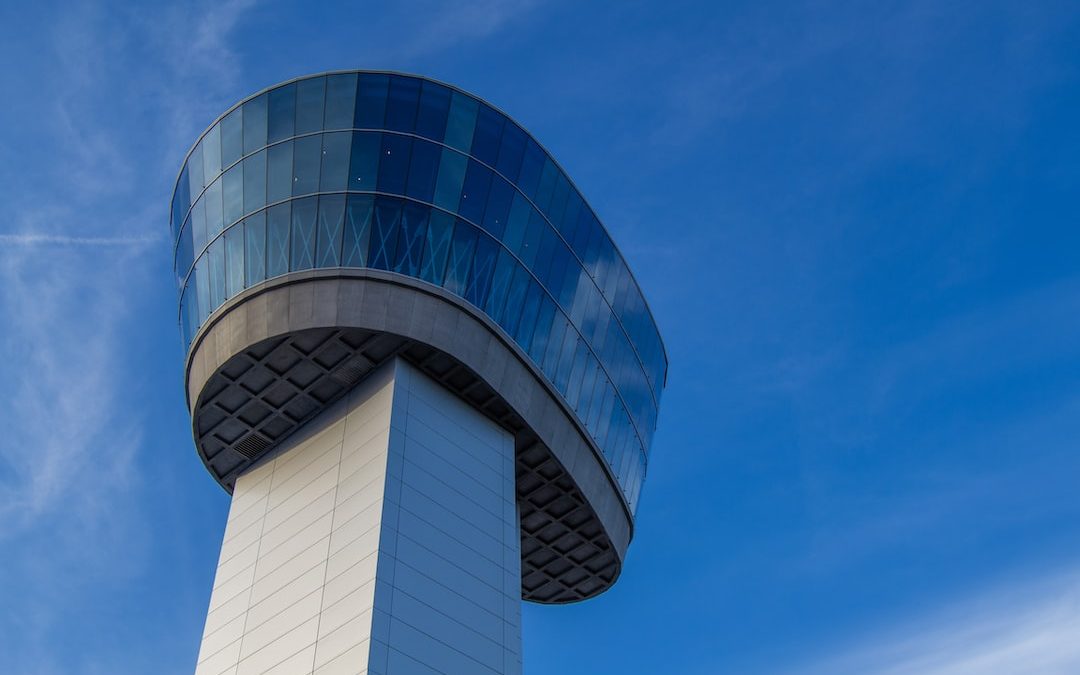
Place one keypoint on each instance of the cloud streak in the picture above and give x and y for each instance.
(34, 239)
(1029, 626)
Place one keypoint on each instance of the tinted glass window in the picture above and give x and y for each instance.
(255, 124)
(532, 165)
(401, 103)
(255, 181)
(461, 122)
(277, 240)
(334, 174)
(212, 153)
(357, 230)
(511, 150)
(307, 158)
(394, 163)
(411, 236)
(364, 163)
(232, 192)
(281, 113)
(302, 249)
(329, 231)
(234, 260)
(384, 233)
(310, 98)
(500, 284)
(232, 138)
(461, 254)
(371, 101)
(213, 209)
(216, 258)
(474, 192)
(340, 101)
(279, 174)
(498, 207)
(451, 176)
(431, 115)
(488, 134)
(479, 283)
(195, 168)
(255, 248)
(423, 170)
(437, 247)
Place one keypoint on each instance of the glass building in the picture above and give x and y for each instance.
(353, 223)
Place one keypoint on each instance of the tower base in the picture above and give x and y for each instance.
(382, 537)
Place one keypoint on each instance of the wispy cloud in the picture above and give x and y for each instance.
(35, 239)
(1026, 626)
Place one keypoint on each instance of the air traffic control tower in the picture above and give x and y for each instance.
(421, 367)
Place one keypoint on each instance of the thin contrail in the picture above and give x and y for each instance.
(31, 239)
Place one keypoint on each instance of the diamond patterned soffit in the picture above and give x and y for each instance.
(264, 393)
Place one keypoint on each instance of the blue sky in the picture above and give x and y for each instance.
(857, 226)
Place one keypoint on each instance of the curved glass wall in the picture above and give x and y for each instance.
(402, 174)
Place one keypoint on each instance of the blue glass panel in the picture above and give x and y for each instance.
(328, 236)
(538, 347)
(281, 113)
(530, 244)
(559, 326)
(451, 175)
(568, 220)
(546, 187)
(255, 124)
(211, 143)
(462, 247)
(212, 197)
(194, 166)
(232, 193)
(431, 116)
(488, 135)
(582, 231)
(423, 170)
(524, 332)
(461, 121)
(384, 233)
(232, 138)
(277, 239)
(307, 158)
(310, 99)
(558, 199)
(437, 247)
(511, 151)
(500, 284)
(497, 210)
(334, 175)
(279, 175)
(519, 287)
(474, 192)
(234, 260)
(411, 237)
(202, 283)
(371, 101)
(302, 249)
(216, 257)
(517, 222)
(255, 181)
(198, 226)
(340, 101)
(394, 163)
(364, 162)
(184, 252)
(401, 103)
(255, 248)
(189, 312)
(566, 360)
(553, 281)
(532, 164)
(180, 203)
(479, 283)
(357, 233)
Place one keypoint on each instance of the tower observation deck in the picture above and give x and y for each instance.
(421, 367)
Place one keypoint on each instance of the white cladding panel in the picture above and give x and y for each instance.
(380, 538)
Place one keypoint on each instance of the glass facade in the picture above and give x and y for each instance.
(406, 175)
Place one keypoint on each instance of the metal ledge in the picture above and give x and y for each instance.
(277, 354)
